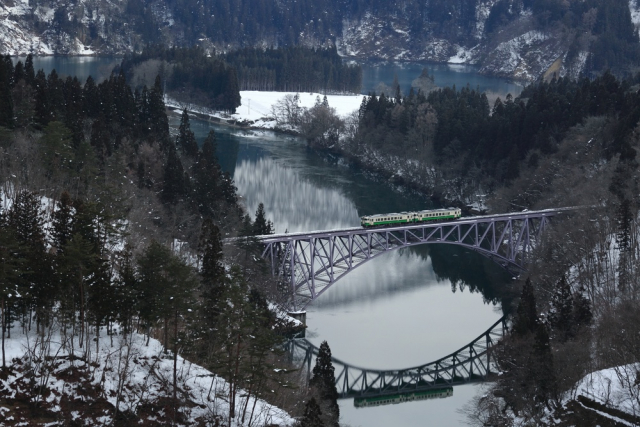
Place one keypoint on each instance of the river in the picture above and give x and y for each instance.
(397, 311)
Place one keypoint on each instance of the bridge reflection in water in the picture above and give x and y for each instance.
(471, 363)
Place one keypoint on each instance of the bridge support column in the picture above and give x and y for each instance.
(299, 315)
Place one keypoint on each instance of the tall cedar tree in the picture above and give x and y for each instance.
(36, 284)
(174, 187)
(186, 140)
(62, 222)
(324, 381)
(312, 416)
(542, 370)
(6, 101)
(157, 115)
(561, 316)
(212, 270)
(582, 308)
(11, 265)
(526, 317)
(262, 226)
(208, 178)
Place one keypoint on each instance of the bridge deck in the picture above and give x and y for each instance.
(465, 220)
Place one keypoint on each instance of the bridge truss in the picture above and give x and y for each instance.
(471, 363)
(309, 263)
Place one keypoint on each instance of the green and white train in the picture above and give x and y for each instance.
(410, 217)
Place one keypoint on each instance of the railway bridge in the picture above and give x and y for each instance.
(310, 263)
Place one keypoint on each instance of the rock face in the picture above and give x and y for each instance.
(503, 37)
(84, 27)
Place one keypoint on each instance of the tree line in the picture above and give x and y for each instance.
(189, 74)
(294, 69)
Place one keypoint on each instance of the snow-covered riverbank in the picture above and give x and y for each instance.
(255, 110)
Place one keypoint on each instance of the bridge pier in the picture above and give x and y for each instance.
(299, 315)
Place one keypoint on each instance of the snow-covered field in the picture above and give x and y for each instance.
(255, 108)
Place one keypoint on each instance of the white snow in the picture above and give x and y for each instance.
(139, 372)
(462, 56)
(614, 388)
(635, 13)
(256, 106)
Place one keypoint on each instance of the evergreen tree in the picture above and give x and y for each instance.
(174, 185)
(62, 224)
(562, 310)
(324, 381)
(582, 313)
(623, 237)
(262, 226)
(27, 220)
(126, 289)
(57, 151)
(29, 71)
(157, 115)
(212, 270)
(542, 370)
(312, 416)
(91, 98)
(186, 140)
(11, 268)
(207, 177)
(6, 101)
(526, 317)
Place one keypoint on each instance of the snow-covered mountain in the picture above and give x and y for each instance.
(509, 38)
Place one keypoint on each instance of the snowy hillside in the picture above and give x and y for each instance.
(518, 44)
(125, 376)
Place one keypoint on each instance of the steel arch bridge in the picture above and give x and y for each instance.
(309, 263)
(471, 363)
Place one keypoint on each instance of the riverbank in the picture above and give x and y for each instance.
(256, 112)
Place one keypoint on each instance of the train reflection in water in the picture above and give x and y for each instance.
(390, 399)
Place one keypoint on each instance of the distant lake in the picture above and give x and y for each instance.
(445, 75)
(98, 67)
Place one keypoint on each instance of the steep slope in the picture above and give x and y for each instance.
(521, 39)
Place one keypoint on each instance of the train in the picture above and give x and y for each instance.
(363, 402)
(432, 215)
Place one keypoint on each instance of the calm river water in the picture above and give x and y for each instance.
(397, 311)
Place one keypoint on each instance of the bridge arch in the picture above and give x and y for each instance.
(310, 263)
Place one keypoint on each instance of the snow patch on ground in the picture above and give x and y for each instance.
(128, 373)
(463, 56)
(613, 387)
(635, 13)
(255, 108)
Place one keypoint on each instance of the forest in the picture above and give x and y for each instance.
(111, 227)
(295, 69)
(192, 76)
